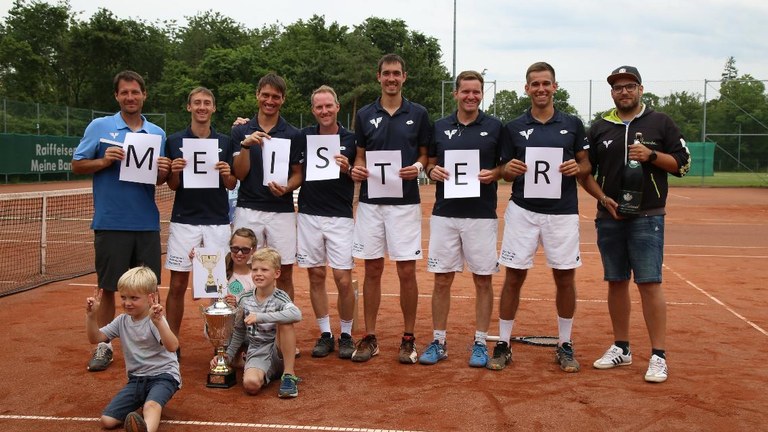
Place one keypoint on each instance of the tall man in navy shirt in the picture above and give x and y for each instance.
(463, 229)
(531, 220)
(200, 217)
(391, 225)
(325, 225)
(126, 221)
(268, 210)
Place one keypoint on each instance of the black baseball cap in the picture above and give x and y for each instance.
(630, 72)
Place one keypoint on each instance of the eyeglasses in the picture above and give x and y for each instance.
(617, 88)
(243, 250)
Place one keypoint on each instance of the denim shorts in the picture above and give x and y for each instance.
(634, 244)
(140, 389)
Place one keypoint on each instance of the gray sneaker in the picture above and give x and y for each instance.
(502, 356)
(101, 359)
(564, 357)
(324, 345)
(346, 346)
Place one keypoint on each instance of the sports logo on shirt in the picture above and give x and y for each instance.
(409, 122)
(526, 134)
(375, 122)
(563, 132)
(483, 133)
(607, 143)
(114, 135)
(450, 133)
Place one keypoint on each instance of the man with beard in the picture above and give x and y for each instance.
(634, 244)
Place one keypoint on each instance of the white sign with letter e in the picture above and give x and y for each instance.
(384, 173)
(320, 152)
(543, 178)
(275, 156)
(141, 154)
(201, 155)
(463, 167)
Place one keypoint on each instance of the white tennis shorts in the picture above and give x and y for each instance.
(182, 238)
(524, 230)
(392, 229)
(455, 240)
(324, 239)
(276, 230)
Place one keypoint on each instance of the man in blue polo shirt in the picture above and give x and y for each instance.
(391, 225)
(126, 221)
(325, 224)
(531, 219)
(200, 217)
(464, 229)
(268, 210)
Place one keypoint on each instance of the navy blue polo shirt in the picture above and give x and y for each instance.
(561, 131)
(332, 198)
(252, 193)
(483, 134)
(406, 130)
(200, 206)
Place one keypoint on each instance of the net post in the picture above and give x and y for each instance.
(43, 230)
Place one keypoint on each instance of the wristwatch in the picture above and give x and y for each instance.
(247, 147)
(652, 157)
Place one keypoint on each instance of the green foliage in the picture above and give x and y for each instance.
(509, 105)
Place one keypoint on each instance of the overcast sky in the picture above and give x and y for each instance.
(685, 41)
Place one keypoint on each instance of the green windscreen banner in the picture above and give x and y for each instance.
(36, 154)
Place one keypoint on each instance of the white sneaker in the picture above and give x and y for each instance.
(613, 357)
(657, 370)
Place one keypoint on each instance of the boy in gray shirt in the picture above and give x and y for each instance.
(265, 317)
(149, 347)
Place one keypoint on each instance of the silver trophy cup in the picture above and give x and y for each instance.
(219, 325)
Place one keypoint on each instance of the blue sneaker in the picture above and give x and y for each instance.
(479, 355)
(289, 387)
(433, 354)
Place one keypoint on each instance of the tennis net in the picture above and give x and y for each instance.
(47, 236)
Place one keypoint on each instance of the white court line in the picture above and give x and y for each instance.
(716, 300)
(210, 424)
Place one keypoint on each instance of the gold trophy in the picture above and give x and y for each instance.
(219, 325)
(209, 263)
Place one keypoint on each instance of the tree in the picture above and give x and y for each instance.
(509, 106)
(31, 46)
(686, 110)
(729, 71)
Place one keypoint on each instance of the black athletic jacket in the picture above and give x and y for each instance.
(609, 138)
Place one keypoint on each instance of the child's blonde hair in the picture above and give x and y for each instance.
(267, 255)
(138, 279)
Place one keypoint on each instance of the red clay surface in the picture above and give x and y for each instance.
(715, 283)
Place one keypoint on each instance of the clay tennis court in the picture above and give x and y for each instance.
(716, 286)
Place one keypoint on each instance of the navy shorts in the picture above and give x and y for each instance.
(140, 389)
(118, 251)
(633, 245)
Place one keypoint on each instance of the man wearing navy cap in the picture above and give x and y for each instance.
(634, 244)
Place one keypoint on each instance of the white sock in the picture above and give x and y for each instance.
(564, 326)
(505, 329)
(325, 324)
(439, 335)
(346, 327)
(481, 337)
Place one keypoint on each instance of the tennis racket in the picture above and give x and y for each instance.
(543, 341)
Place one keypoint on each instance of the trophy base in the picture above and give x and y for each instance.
(221, 381)
(210, 289)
